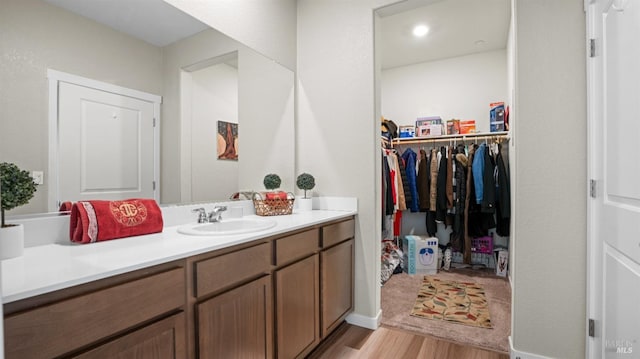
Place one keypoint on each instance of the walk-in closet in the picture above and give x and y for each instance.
(445, 95)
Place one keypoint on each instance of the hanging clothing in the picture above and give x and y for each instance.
(396, 180)
(468, 201)
(488, 184)
(460, 193)
(503, 196)
(449, 181)
(405, 183)
(386, 188)
(478, 171)
(433, 178)
(409, 158)
(423, 181)
(401, 203)
(441, 187)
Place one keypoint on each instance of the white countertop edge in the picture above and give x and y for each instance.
(47, 268)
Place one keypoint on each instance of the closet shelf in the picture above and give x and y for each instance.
(503, 135)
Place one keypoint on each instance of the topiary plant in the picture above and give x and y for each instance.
(16, 188)
(306, 182)
(272, 181)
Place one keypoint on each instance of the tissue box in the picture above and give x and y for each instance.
(420, 254)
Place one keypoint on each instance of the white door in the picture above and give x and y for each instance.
(106, 145)
(614, 209)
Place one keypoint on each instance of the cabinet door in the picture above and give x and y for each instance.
(164, 339)
(237, 323)
(297, 308)
(337, 284)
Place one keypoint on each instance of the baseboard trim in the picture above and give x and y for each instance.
(516, 354)
(363, 321)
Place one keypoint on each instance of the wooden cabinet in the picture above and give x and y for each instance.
(274, 297)
(237, 323)
(337, 285)
(161, 340)
(69, 322)
(314, 294)
(232, 303)
(297, 308)
(336, 274)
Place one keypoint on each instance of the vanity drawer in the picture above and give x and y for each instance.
(296, 246)
(58, 328)
(219, 272)
(338, 232)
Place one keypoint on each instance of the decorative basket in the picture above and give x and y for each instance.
(273, 207)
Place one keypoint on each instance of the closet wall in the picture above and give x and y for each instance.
(460, 87)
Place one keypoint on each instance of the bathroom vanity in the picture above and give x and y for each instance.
(275, 293)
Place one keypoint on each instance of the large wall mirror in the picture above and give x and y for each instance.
(208, 83)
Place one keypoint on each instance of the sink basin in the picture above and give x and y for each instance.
(227, 227)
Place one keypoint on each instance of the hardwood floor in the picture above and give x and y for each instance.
(350, 341)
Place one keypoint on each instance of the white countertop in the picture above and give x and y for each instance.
(51, 267)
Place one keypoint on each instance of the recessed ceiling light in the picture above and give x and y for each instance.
(420, 30)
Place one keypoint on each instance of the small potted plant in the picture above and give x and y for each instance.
(305, 182)
(16, 189)
(272, 182)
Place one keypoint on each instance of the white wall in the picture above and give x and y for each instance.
(460, 87)
(37, 36)
(337, 129)
(214, 97)
(267, 142)
(266, 26)
(549, 230)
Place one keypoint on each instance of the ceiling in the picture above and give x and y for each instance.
(153, 21)
(457, 27)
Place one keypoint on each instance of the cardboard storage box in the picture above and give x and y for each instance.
(467, 126)
(420, 254)
(453, 127)
(407, 131)
(496, 117)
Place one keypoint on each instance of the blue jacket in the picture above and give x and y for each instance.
(478, 169)
(409, 157)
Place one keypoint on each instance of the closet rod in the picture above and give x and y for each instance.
(445, 138)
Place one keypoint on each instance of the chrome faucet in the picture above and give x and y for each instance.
(202, 215)
(216, 214)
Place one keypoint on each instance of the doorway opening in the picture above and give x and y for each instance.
(454, 70)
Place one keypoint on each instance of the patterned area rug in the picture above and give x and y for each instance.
(452, 301)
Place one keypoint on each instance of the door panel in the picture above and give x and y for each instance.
(106, 145)
(614, 212)
(237, 323)
(621, 314)
(621, 56)
(297, 308)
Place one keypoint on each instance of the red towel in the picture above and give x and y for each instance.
(65, 207)
(93, 221)
(276, 195)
